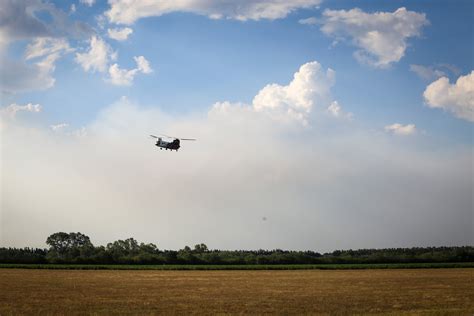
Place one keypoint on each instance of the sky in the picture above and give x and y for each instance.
(320, 125)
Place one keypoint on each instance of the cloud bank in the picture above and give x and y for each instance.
(334, 185)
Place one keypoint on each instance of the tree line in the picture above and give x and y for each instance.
(76, 248)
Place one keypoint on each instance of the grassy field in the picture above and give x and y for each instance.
(241, 267)
(369, 291)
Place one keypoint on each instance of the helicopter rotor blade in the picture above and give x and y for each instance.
(153, 136)
(168, 136)
(177, 137)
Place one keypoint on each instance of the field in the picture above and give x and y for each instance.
(369, 291)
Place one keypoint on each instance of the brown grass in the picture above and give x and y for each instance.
(435, 291)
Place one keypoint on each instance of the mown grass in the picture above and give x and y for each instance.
(301, 292)
(241, 267)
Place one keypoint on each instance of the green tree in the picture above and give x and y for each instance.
(123, 250)
(200, 248)
(69, 247)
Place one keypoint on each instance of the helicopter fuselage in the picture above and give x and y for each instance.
(173, 145)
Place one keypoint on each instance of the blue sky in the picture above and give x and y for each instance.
(199, 61)
(390, 88)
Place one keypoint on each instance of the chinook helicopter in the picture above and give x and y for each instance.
(171, 145)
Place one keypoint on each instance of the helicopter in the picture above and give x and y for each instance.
(172, 145)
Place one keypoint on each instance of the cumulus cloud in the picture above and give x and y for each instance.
(127, 12)
(325, 188)
(119, 34)
(457, 98)
(336, 110)
(307, 95)
(399, 129)
(310, 87)
(309, 90)
(381, 36)
(121, 77)
(124, 77)
(97, 57)
(143, 65)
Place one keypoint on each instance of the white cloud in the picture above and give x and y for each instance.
(72, 9)
(127, 12)
(119, 34)
(303, 100)
(143, 65)
(124, 77)
(399, 129)
(306, 96)
(336, 110)
(310, 87)
(89, 3)
(381, 36)
(309, 21)
(97, 57)
(47, 65)
(457, 98)
(58, 127)
(14, 108)
(45, 46)
(121, 77)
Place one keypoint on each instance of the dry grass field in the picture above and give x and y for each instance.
(72, 292)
